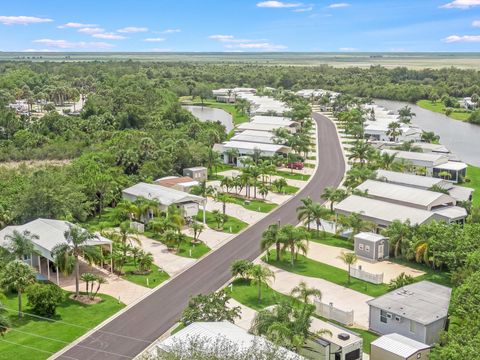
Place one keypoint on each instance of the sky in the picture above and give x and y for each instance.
(240, 25)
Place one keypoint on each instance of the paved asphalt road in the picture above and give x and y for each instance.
(128, 334)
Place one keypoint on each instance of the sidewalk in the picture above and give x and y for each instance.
(341, 297)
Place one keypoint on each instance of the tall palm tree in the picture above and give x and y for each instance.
(318, 212)
(333, 195)
(354, 223)
(399, 235)
(66, 256)
(349, 258)
(223, 198)
(361, 151)
(303, 293)
(405, 114)
(197, 229)
(294, 239)
(18, 276)
(124, 235)
(304, 211)
(394, 130)
(21, 243)
(260, 275)
(270, 237)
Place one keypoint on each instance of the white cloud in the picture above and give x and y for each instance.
(91, 30)
(109, 36)
(132, 29)
(154, 39)
(76, 25)
(170, 31)
(461, 4)
(22, 20)
(310, 8)
(338, 5)
(277, 4)
(65, 44)
(462, 38)
(160, 50)
(266, 46)
(37, 50)
(476, 23)
(349, 49)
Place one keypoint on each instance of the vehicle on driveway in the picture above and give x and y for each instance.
(297, 165)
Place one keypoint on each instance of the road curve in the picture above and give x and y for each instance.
(132, 331)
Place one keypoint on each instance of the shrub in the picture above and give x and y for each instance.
(44, 298)
(474, 117)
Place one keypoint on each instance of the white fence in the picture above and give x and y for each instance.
(361, 274)
(330, 312)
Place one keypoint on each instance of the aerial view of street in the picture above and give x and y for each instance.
(239, 180)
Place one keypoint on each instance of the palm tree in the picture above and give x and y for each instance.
(197, 230)
(294, 239)
(67, 255)
(399, 235)
(254, 174)
(270, 237)
(279, 184)
(219, 218)
(318, 212)
(18, 276)
(386, 160)
(361, 151)
(303, 293)
(124, 235)
(145, 261)
(304, 211)
(260, 275)
(223, 198)
(333, 195)
(21, 243)
(355, 224)
(349, 258)
(263, 190)
(227, 182)
(89, 279)
(100, 281)
(394, 130)
(405, 114)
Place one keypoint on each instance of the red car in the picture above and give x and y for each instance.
(298, 165)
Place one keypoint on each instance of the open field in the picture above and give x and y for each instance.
(457, 114)
(473, 174)
(364, 60)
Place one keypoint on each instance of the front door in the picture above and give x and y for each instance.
(381, 250)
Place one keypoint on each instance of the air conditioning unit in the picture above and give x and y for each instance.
(398, 318)
(389, 316)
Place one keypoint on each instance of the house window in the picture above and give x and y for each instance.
(367, 248)
(26, 257)
(419, 355)
(383, 316)
(360, 246)
(413, 326)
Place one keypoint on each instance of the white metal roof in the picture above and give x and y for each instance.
(50, 234)
(406, 195)
(425, 182)
(370, 236)
(165, 195)
(399, 345)
(258, 126)
(211, 331)
(460, 193)
(424, 302)
(265, 137)
(452, 165)
(382, 212)
(417, 158)
(250, 146)
(451, 213)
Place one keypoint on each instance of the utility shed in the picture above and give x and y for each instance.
(397, 347)
(405, 195)
(371, 246)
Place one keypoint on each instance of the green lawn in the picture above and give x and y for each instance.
(247, 294)
(254, 204)
(232, 225)
(308, 267)
(73, 319)
(97, 223)
(289, 190)
(238, 118)
(292, 176)
(436, 276)
(155, 278)
(439, 107)
(197, 250)
(330, 239)
(473, 174)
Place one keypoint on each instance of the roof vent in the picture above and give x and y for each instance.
(343, 336)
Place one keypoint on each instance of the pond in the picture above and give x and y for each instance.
(461, 138)
(206, 113)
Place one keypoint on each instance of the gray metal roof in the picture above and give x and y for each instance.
(165, 195)
(399, 345)
(424, 182)
(265, 137)
(382, 212)
(424, 302)
(409, 196)
(419, 159)
(50, 234)
(250, 146)
(370, 236)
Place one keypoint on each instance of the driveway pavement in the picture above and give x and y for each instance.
(237, 211)
(341, 297)
(212, 238)
(329, 255)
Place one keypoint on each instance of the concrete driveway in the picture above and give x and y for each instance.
(341, 297)
(236, 211)
(329, 255)
(170, 263)
(212, 238)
